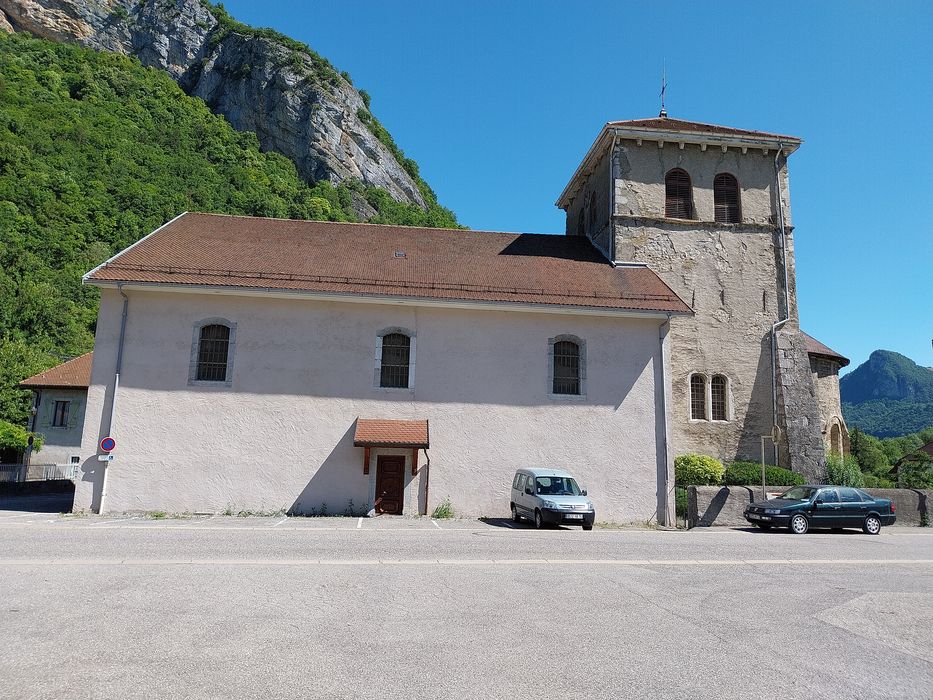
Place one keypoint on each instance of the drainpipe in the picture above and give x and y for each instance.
(113, 395)
(427, 473)
(668, 516)
(785, 313)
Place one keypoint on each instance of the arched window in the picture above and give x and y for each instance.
(678, 202)
(213, 353)
(566, 367)
(717, 389)
(698, 397)
(726, 199)
(396, 356)
(581, 231)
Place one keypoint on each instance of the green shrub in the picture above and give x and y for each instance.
(697, 470)
(877, 482)
(680, 500)
(749, 474)
(844, 471)
(915, 471)
(13, 437)
(444, 510)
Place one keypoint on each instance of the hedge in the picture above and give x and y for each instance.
(749, 474)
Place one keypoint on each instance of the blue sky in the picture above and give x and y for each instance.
(498, 102)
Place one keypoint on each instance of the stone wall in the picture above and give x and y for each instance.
(724, 505)
(801, 444)
(591, 202)
(825, 373)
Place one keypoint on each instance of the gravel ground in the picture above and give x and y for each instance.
(401, 607)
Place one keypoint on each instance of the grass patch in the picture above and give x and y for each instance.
(157, 515)
(444, 510)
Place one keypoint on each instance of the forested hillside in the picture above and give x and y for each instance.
(95, 152)
(888, 395)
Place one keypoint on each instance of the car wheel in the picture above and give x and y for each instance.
(872, 525)
(539, 521)
(763, 526)
(587, 527)
(516, 518)
(799, 524)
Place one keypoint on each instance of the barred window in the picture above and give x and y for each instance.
(566, 367)
(213, 347)
(726, 199)
(718, 397)
(396, 354)
(678, 202)
(697, 397)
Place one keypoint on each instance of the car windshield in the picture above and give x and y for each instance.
(799, 493)
(556, 486)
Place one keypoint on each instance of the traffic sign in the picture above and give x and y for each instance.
(107, 444)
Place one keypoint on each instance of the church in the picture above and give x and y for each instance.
(315, 367)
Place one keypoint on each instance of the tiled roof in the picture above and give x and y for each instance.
(680, 125)
(387, 433)
(395, 261)
(815, 347)
(74, 374)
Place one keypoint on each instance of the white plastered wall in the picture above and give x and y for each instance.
(281, 436)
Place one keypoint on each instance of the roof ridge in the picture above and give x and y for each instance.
(371, 225)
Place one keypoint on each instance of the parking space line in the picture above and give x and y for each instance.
(359, 524)
(281, 521)
(436, 525)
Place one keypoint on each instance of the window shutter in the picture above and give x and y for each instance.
(73, 410)
(678, 202)
(726, 199)
(45, 412)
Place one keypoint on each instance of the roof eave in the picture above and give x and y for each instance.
(769, 142)
(394, 299)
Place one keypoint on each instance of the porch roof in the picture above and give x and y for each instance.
(391, 433)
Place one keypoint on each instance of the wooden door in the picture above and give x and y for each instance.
(390, 484)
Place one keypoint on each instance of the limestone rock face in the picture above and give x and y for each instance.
(298, 109)
(5, 25)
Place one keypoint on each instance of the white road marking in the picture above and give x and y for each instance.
(359, 524)
(281, 521)
(456, 562)
(434, 522)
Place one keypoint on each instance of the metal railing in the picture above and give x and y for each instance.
(35, 472)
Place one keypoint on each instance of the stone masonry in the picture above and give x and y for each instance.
(732, 275)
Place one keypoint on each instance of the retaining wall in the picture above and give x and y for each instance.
(724, 505)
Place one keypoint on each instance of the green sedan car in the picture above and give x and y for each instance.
(805, 507)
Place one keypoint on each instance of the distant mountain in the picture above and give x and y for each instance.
(887, 396)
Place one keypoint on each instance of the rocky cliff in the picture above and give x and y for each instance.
(261, 81)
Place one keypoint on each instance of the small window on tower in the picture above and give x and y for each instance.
(726, 199)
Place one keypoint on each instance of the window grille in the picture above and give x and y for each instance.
(60, 414)
(213, 347)
(718, 397)
(726, 199)
(396, 354)
(697, 397)
(566, 367)
(678, 202)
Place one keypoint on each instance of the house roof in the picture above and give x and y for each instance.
(389, 433)
(683, 126)
(73, 374)
(815, 347)
(212, 250)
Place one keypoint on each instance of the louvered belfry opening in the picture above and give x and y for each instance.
(726, 199)
(396, 354)
(212, 353)
(678, 203)
(566, 367)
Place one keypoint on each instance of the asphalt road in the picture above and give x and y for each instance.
(348, 608)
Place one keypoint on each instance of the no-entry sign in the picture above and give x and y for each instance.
(107, 444)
